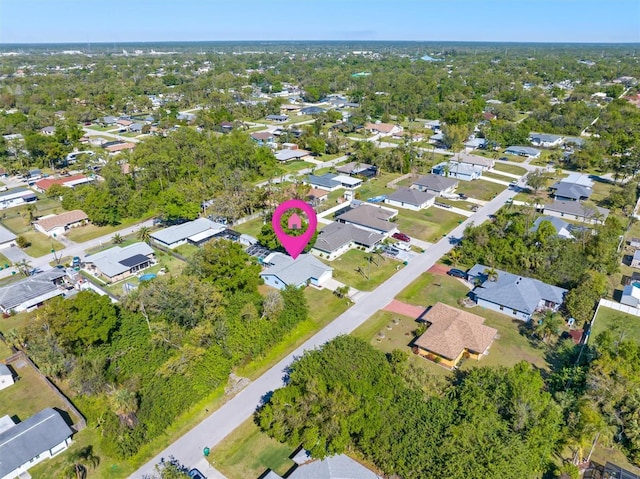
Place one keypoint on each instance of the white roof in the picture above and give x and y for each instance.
(294, 272)
(347, 180)
(578, 179)
(176, 233)
(79, 181)
(203, 235)
(109, 261)
(5, 235)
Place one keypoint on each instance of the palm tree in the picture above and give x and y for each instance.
(491, 273)
(30, 209)
(144, 234)
(455, 256)
(117, 239)
(79, 463)
(124, 403)
(24, 266)
(548, 326)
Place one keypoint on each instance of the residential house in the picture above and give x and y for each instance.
(433, 125)
(453, 334)
(475, 143)
(514, 295)
(109, 120)
(348, 182)
(277, 118)
(6, 376)
(194, 232)
(631, 295)
(312, 110)
(488, 116)
(114, 147)
(575, 187)
(263, 138)
(634, 243)
(383, 129)
(562, 228)
(325, 182)
(478, 161)
(574, 210)
(545, 140)
(460, 171)
(7, 238)
(48, 130)
(356, 168)
(437, 139)
(370, 217)
(124, 123)
(290, 108)
(282, 270)
(411, 199)
(440, 185)
(118, 263)
(16, 197)
(331, 467)
(42, 186)
(289, 155)
(226, 127)
(31, 441)
(58, 225)
(523, 151)
(188, 117)
(32, 291)
(316, 196)
(635, 260)
(337, 238)
(136, 127)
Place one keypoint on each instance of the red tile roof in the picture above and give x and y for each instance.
(47, 183)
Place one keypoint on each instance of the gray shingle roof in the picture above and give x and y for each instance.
(523, 150)
(33, 436)
(324, 181)
(297, 271)
(4, 370)
(371, 217)
(109, 261)
(435, 182)
(515, 292)
(6, 235)
(563, 229)
(334, 467)
(353, 168)
(571, 190)
(576, 208)
(411, 196)
(336, 235)
(543, 137)
(176, 233)
(30, 288)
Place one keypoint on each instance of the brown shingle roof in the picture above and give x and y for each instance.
(62, 219)
(47, 183)
(453, 330)
(120, 147)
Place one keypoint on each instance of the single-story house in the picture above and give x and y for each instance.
(48, 130)
(30, 292)
(512, 294)
(337, 238)
(372, 218)
(475, 143)
(454, 169)
(288, 155)
(6, 377)
(453, 334)
(262, 137)
(575, 187)
(574, 210)
(487, 115)
(7, 238)
(634, 243)
(109, 120)
(114, 147)
(331, 467)
(43, 185)
(136, 127)
(226, 127)
(312, 110)
(479, 161)
(290, 108)
(411, 199)
(563, 229)
(57, 225)
(195, 232)
(383, 129)
(188, 117)
(437, 139)
(325, 182)
(356, 168)
(16, 197)
(124, 123)
(317, 196)
(282, 270)
(31, 441)
(440, 185)
(545, 140)
(121, 262)
(631, 295)
(635, 260)
(613, 471)
(277, 118)
(348, 182)
(523, 151)
(434, 125)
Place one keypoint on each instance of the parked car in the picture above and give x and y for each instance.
(504, 158)
(402, 246)
(390, 250)
(402, 237)
(462, 196)
(457, 273)
(195, 474)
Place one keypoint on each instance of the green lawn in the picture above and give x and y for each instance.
(5, 350)
(496, 176)
(377, 186)
(629, 324)
(601, 191)
(479, 189)
(187, 250)
(344, 269)
(251, 228)
(16, 219)
(247, 453)
(40, 244)
(428, 225)
(513, 169)
(90, 231)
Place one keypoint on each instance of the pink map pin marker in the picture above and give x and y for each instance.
(294, 244)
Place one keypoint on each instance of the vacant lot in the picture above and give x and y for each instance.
(251, 228)
(480, 189)
(354, 269)
(628, 326)
(513, 169)
(377, 186)
(89, 232)
(428, 225)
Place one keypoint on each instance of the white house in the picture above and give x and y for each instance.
(39, 437)
(631, 295)
(57, 225)
(17, 197)
(6, 376)
(338, 238)
(545, 140)
(283, 271)
(410, 199)
(7, 238)
(196, 232)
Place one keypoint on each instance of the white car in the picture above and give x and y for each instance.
(402, 246)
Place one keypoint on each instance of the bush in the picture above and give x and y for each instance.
(22, 242)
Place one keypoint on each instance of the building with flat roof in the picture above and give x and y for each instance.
(16, 197)
(195, 232)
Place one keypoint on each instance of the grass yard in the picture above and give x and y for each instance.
(497, 176)
(40, 244)
(16, 219)
(90, 231)
(344, 269)
(513, 169)
(601, 191)
(377, 186)
(428, 225)
(187, 250)
(629, 324)
(247, 452)
(5, 350)
(480, 190)
(251, 228)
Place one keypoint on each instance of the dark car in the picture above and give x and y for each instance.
(195, 474)
(457, 273)
(504, 158)
(402, 237)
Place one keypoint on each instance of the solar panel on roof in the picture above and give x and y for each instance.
(134, 260)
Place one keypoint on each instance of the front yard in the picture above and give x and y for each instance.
(354, 269)
(428, 225)
(480, 189)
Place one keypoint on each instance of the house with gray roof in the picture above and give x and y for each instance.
(410, 199)
(563, 229)
(440, 185)
(545, 140)
(30, 292)
(288, 155)
(372, 218)
(194, 232)
(6, 377)
(577, 211)
(635, 259)
(312, 110)
(109, 120)
(337, 238)
(324, 182)
(332, 467)
(575, 187)
(136, 127)
(282, 270)
(31, 441)
(277, 118)
(118, 263)
(458, 170)
(631, 295)
(359, 169)
(523, 151)
(7, 238)
(514, 295)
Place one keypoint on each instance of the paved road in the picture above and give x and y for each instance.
(213, 429)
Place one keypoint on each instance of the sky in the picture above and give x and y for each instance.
(93, 21)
